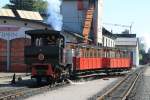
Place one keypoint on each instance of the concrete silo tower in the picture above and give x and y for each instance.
(84, 17)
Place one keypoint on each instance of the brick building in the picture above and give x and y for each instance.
(13, 25)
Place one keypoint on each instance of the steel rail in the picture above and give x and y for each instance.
(114, 88)
(131, 87)
(27, 92)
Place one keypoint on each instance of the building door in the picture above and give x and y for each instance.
(3, 55)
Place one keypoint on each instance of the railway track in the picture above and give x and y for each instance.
(24, 92)
(122, 89)
(28, 91)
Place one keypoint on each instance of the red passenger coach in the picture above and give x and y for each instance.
(106, 60)
(88, 59)
(116, 59)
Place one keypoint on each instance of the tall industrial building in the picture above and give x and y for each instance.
(74, 13)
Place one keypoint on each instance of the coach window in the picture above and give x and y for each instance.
(126, 54)
(119, 54)
(98, 53)
(94, 51)
(87, 53)
(123, 54)
(91, 55)
(83, 53)
(108, 53)
(115, 53)
(101, 53)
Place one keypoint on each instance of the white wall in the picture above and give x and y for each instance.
(137, 55)
(130, 44)
(108, 42)
(99, 21)
(126, 41)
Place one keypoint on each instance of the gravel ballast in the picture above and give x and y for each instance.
(76, 91)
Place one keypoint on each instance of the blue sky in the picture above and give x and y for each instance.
(3, 2)
(125, 12)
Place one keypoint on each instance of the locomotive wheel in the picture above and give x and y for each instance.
(38, 80)
(50, 80)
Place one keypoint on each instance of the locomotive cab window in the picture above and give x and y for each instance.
(47, 37)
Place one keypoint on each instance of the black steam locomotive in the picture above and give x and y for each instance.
(45, 54)
(49, 57)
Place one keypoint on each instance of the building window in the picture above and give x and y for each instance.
(103, 41)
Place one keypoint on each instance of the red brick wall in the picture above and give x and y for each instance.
(17, 55)
(3, 54)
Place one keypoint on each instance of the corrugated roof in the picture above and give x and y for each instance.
(126, 35)
(22, 14)
(29, 15)
(7, 13)
(105, 32)
(127, 41)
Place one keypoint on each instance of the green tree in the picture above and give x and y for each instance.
(6, 6)
(143, 55)
(31, 5)
(21, 4)
(40, 6)
(142, 46)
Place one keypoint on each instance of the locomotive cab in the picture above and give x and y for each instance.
(46, 47)
(45, 53)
